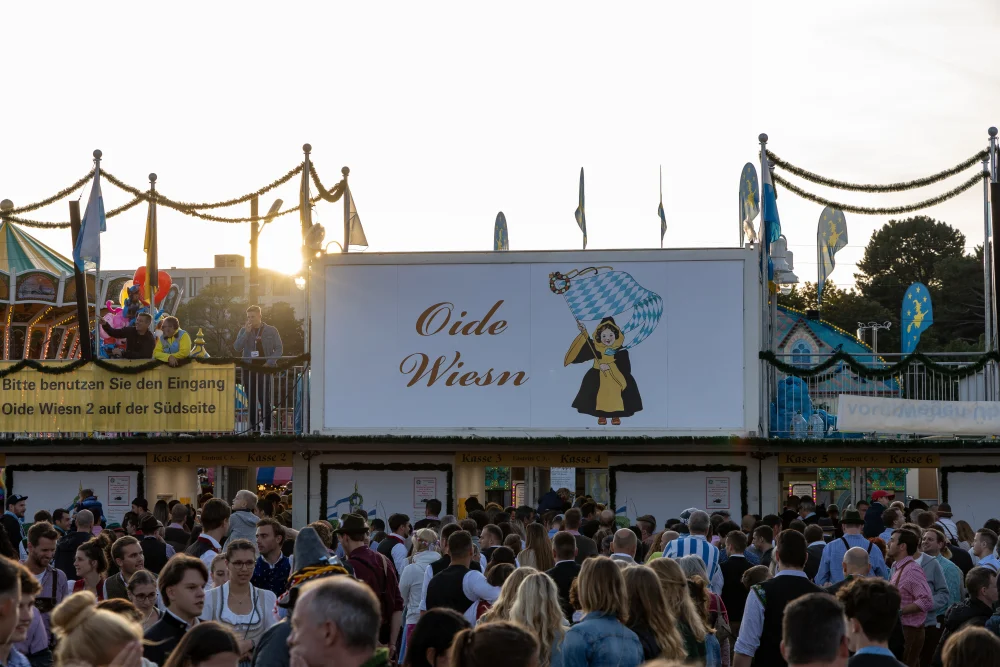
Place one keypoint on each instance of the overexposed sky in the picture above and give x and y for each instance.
(449, 112)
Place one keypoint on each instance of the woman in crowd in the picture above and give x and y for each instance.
(496, 575)
(650, 618)
(495, 645)
(503, 555)
(91, 564)
(601, 639)
(425, 542)
(430, 643)
(246, 609)
(160, 512)
(500, 611)
(93, 637)
(517, 528)
(714, 613)
(513, 542)
(538, 552)
(206, 644)
(966, 536)
(537, 609)
(219, 571)
(142, 593)
(757, 574)
(675, 591)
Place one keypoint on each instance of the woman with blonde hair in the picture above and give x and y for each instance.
(91, 636)
(411, 579)
(710, 608)
(650, 618)
(601, 639)
(536, 607)
(538, 552)
(500, 611)
(675, 592)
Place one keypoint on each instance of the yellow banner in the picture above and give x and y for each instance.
(852, 460)
(208, 459)
(537, 459)
(196, 397)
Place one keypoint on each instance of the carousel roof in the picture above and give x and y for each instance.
(19, 251)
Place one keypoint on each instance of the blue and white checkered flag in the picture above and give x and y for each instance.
(597, 295)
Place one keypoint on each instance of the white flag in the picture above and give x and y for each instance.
(357, 232)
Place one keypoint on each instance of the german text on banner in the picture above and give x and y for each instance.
(867, 414)
(195, 397)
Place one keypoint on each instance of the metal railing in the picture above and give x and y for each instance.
(818, 394)
(264, 404)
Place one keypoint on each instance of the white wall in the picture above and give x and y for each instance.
(181, 483)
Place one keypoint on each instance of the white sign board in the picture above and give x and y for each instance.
(867, 414)
(972, 495)
(667, 494)
(49, 490)
(716, 493)
(497, 344)
(383, 492)
(424, 489)
(563, 478)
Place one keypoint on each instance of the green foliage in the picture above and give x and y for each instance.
(281, 315)
(844, 308)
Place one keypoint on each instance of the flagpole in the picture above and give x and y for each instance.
(97, 280)
(765, 343)
(661, 203)
(987, 272)
(347, 210)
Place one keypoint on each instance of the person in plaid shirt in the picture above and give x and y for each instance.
(915, 593)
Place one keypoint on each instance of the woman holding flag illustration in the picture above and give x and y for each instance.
(608, 388)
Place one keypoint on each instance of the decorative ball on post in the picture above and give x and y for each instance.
(6, 205)
(306, 148)
(762, 138)
(993, 131)
(345, 171)
(98, 154)
(152, 178)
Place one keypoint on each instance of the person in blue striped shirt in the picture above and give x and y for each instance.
(696, 543)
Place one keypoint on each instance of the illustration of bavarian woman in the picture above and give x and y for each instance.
(608, 388)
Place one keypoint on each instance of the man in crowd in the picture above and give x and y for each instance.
(566, 569)
(128, 555)
(585, 547)
(61, 521)
(214, 526)
(934, 545)
(442, 563)
(914, 592)
(375, 570)
(273, 567)
(830, 571)
(42, 540)
(139, 340)
(940, 594)
(872, 514)
(90, 502)
(789, 512)
(13, 523)
(976, 611)
(260, 344)
(10, 597)
(647, 526)
(696, 543)
(182, 590)
(243, 520)
(893, 520)
(176, 534)
(763, 544)
(490, 540)
(734, 593)
(458, 587)
(872, 609)
(68, 544)
(807, 512)
(396, 546)
(855, 565)
(948, 526)
(336, 622)
(814, 632)
(432, 510)
(761, 630)
(984, 548)
(623, 546)
(815, 544)
(12, 655)
(156, 552)
(140, 506)
(174, 345)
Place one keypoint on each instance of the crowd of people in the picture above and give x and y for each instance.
(234, 584)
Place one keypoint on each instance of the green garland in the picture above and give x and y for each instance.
(325, 468)
(643, 468)
(892, 370)
(883, 210)
(38, 224)
(65, 192)
(889, 187)
(331, 195)
(47, 369)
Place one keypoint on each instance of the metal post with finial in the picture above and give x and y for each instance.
(152, 249)
(347, 211)
(97, 272)
(987, 259)
(992, 249)
(305, 214)
(765, 287)
(6, 206)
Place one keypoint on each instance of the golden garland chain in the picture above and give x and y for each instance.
(65, 192)
(331, 195)
(39, 224)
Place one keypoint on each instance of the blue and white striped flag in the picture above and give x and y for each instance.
(594, 297)
(87, 250)
(769, 206)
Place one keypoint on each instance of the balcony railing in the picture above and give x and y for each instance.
(818, 394)
(264, 404)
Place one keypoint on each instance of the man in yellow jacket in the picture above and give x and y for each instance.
(174, 344)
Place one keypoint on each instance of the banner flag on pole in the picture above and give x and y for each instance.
(769, 201)
(581, 216)
(917, 315)
(305, 208)
(749, 201)
(659, 211)
(149, 246)
(357, 232)
(87, 250)
(831, 236)
(500, 240)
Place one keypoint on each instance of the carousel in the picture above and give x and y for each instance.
(38, 310)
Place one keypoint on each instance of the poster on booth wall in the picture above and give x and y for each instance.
(53, 489)
(563, 478)
(716, 493)
(382, 493)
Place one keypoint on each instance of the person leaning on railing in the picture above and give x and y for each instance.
(139, 340)
(174, 344)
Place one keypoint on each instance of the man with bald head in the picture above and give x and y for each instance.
(856, 565)
(623, 546)
(68, 544)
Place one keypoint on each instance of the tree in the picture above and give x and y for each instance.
(843, 308)
(281, 315)
(219, 311)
